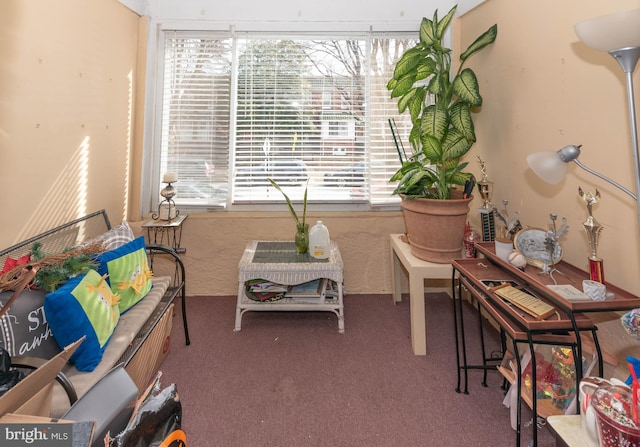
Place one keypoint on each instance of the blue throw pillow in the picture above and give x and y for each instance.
(128, 270)
(83, 306)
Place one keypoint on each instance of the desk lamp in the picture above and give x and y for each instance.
(552, 166)
(619, 35)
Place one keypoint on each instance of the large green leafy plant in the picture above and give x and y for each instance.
(440, 106)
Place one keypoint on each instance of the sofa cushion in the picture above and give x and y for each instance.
(122, 339)
(84, 306)
(24, 329)
(113, 238)
(128, 272)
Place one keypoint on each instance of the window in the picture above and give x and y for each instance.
(196, 116)
(238, 109)
(339, 129)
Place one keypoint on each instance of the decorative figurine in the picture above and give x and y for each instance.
(593, 229)
(552, 244)
(485, 188)
(511, 226)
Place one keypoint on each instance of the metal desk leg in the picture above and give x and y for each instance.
(455, 325)
(519, 391)
(577, 359)
(596, 343)
(534, 388)
(483, 349)
(503, 350)
(463, 341)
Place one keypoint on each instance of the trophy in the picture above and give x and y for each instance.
(593, 229)
(485, 188)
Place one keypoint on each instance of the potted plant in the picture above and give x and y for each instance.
(440, 104)
(302, 227)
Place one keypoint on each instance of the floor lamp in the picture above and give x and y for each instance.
(619, 35)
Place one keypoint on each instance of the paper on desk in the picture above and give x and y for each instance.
(569, 292)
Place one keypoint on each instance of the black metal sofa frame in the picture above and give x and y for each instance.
(73, 232)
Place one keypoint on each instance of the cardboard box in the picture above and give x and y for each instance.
(32, 395)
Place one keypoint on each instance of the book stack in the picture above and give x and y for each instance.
(308, 292)
(263, 290)
(316, 291)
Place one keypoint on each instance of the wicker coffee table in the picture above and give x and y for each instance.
(278, 262)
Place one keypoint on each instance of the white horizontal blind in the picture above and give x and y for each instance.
(300, 115)
(383, 154)
(196, 115)
(313, 108)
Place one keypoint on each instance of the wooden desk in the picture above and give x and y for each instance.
(562, 328)
(567, 274)
(418, 271)
(568, 322)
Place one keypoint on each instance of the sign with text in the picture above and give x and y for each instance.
(72, 434)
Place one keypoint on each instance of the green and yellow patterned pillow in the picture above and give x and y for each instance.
(83, 306)
(128, 272)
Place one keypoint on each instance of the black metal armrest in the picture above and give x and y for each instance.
(34, 363)
(155, 249)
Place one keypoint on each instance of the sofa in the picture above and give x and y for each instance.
(38, 323)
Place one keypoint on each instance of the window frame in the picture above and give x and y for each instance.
(151, 172)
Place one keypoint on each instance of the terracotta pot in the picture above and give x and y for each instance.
(435, 228)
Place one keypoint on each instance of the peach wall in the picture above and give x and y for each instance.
(70, 90)
(215, 243)
(542, 90)
(69, 132)
(67, 84)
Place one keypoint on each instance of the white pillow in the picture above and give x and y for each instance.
(114, 238)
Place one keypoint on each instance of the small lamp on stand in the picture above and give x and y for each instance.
(167, 207)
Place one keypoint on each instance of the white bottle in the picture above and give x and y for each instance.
(319, 241)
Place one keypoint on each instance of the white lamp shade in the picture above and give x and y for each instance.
(548, 166)
(170, 177)
(611, 32)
